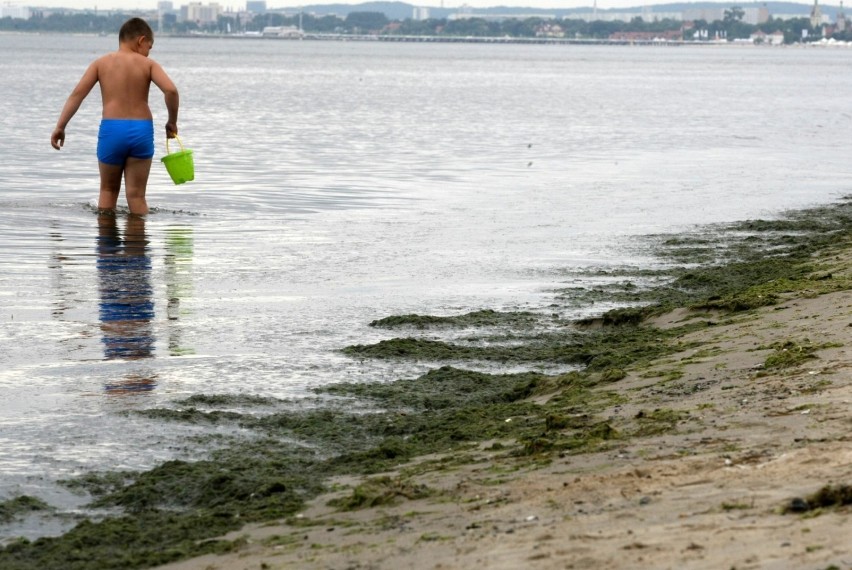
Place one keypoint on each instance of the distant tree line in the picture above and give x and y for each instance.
(731, 27)
(71, 23)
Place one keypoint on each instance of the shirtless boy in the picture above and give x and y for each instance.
(126, 135)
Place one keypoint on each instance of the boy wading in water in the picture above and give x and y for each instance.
(126, 135)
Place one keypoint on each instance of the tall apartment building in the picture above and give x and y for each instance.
(201, 13)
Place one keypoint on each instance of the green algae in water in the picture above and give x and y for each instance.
(335, 431)
(123, 543)
(398, 437)
(190, 415)
(619, 316)
(772, 255)
(443, 388)
(98, 484)
(19, 506)
(483, 318)
(227, 400)
(625, 292)
(430, 413)
(609, 347)
(252, 482)
(175, 508)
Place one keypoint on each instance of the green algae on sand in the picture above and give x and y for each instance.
(826, 497)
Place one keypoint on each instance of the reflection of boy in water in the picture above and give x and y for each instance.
(124, 273)
(126, 136)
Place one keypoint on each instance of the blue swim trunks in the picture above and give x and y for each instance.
(119, 139)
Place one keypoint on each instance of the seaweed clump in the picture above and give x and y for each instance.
(789, 353)
(380, 491)
(19, 506)
(826, 497)
(482, 318)
(594, 349)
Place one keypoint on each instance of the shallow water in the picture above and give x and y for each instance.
(339, 183)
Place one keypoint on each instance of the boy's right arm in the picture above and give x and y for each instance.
(170, 92)
(84, 86)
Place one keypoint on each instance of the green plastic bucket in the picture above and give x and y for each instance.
(179, 164)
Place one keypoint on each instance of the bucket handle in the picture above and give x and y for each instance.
(167, 144)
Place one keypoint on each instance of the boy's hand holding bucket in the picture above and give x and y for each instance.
(179, 164)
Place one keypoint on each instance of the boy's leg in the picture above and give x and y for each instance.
(110, 185)
(136, 171)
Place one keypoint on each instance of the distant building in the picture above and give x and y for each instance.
(841, 19)
(16, 12)
(466, 15)
(773, 39)
(816, 15)
(646, 15)
(756, 16)
(420, 13)
(164, 10)
(549, 30)
(201, 13)
(282, 32)
(664, 36)
(751, 15)
(256, 7)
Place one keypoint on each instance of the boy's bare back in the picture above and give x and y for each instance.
(125, 78)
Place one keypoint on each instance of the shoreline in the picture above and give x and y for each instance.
(742, 429)
(647, 456)
(499, 40)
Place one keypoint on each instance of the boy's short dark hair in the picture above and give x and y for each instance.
(133, 28)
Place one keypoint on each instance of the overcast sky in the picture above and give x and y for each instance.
(152, 4)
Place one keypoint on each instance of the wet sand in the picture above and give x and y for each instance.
(754, 414)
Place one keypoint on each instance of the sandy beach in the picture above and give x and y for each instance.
(750, 421)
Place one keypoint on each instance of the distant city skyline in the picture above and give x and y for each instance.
(273, 4)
